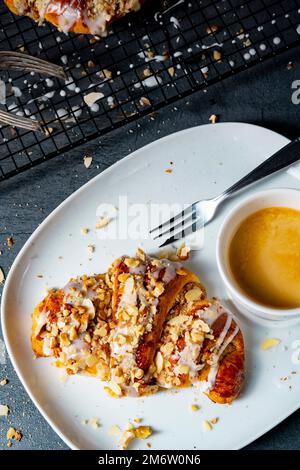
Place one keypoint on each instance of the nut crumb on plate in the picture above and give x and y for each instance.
(131, 433)
(102, 222)
(194, 407)
(269, 343)
(206, 426)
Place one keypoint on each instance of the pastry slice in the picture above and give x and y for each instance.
(72, 325)
(201, 345)
(144, 291)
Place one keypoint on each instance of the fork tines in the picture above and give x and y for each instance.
(176, 226)
(18, 121)
(27, 63)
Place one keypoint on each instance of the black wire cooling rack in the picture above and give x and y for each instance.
(148, 60)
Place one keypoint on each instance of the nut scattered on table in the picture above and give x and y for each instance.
(87, 161)
(4, 410)
(213, 118)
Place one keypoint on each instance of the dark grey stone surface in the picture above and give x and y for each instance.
(261, 96)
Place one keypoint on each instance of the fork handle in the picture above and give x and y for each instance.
(289, 154)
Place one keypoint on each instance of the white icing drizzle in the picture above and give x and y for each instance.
(224, 332)
(206, 385)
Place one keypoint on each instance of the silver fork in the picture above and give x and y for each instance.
(18, 121)
(18, 61)
(200, 213)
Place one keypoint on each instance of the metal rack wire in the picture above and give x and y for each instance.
(148, 60)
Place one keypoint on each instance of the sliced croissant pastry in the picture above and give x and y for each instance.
(78, 16)
(144, 290)
(201, 345)
(71, 324)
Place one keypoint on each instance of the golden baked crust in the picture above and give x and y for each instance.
(78, 16)
(231, 370)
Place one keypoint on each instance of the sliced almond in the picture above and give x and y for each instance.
(193, 294)
(87, 161)
(115, 388)
(159, 362)
(92, 97)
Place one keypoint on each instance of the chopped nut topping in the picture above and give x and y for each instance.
(183, 252)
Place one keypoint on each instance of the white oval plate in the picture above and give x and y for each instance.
(206, 160)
